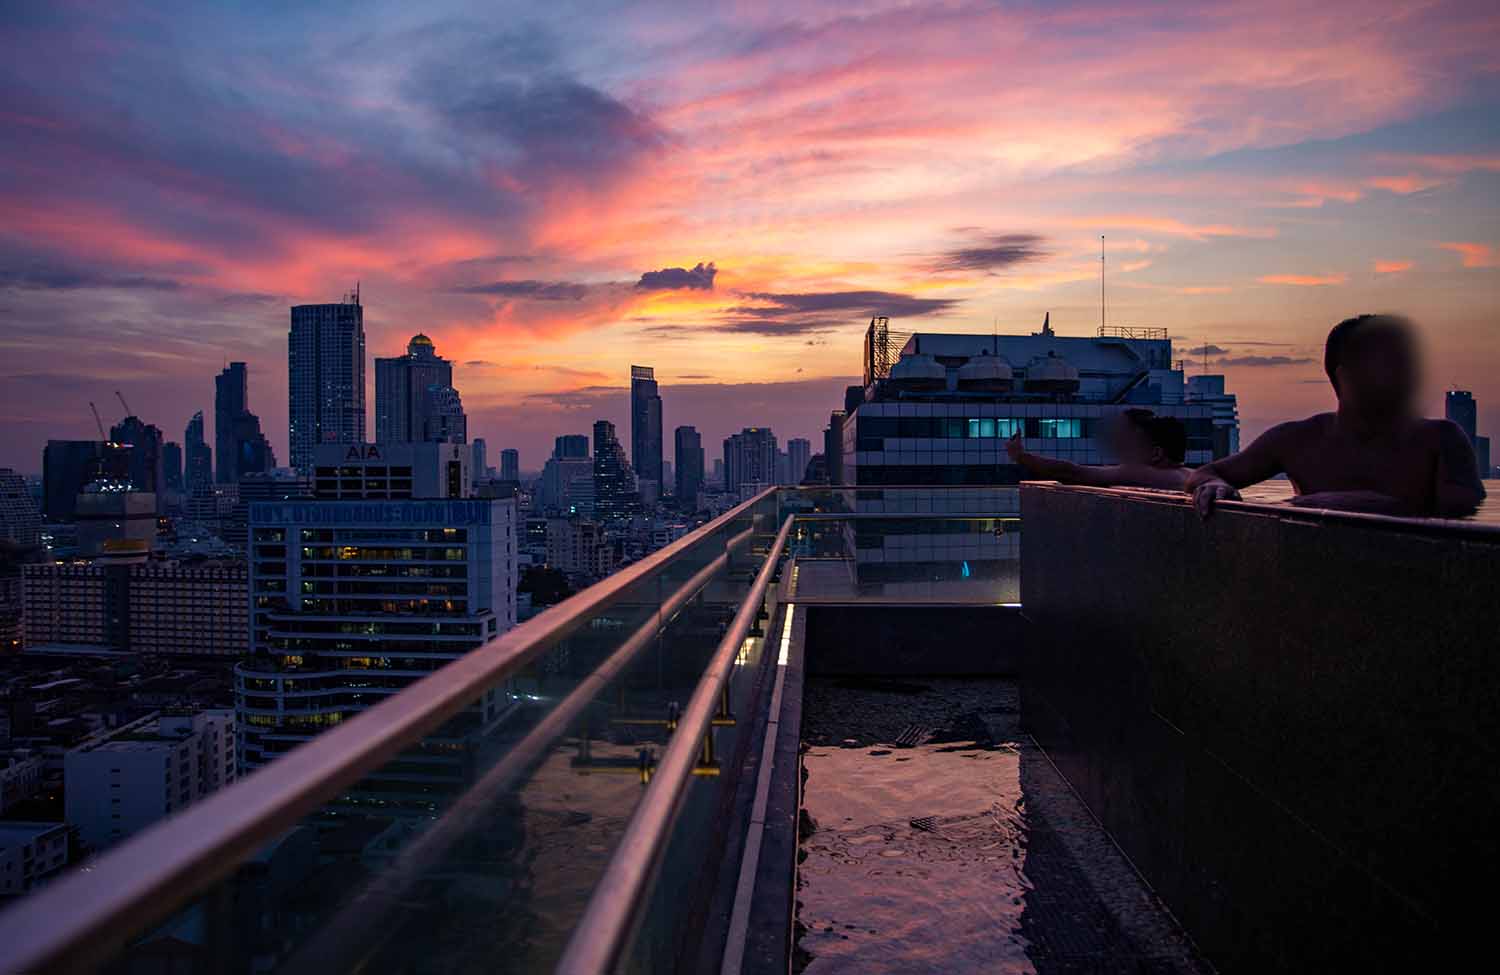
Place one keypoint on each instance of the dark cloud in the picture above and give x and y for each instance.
(534, 290)
(1207, 350)
(699, 277)
(478, 363)
(993, 252)
(862, 303)
(44, 277)
(694, 375)
(1248, 361)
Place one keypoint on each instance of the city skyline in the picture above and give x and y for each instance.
(764, 181)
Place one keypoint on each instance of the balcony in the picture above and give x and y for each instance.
(871, 730)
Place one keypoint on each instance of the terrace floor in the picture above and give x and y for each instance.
(937, 837)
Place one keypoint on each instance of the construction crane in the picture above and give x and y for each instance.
(121, 397)
(98, 422)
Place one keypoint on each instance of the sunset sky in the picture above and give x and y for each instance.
(728, 192)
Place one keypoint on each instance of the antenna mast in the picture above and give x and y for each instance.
(1101, 284)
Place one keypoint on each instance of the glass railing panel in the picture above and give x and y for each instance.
(479, 846)
(934, 558)
(958, 499)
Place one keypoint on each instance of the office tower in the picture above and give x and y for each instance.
(571, 445)
(1209, 390)
(144, 771)
(144, 441)
(645, 424)
(510, 464)
(171, 466)
(402, 399)
(68, 466)
(833, 446)
(479, 461)
(718, 474)
(109, 513)
(253, 453)
(941, 410)
(443, 418)
(615, 496)
(372, 596)
(325, 377)
(1459, 407)
(689, 457)
(197, 457)
(798, 453)
(749, 459)
(231, 398)
(20, 522)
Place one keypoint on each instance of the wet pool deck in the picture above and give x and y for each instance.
(936, 837)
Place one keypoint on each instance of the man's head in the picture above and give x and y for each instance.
(1142, 437)
(1373, 364)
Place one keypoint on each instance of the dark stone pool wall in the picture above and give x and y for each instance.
(1288, 721)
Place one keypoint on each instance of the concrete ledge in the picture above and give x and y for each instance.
(1288, 719)
(960, 640)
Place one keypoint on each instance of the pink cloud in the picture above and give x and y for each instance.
(1473, 255)
(1304, 280)
(1393, 267)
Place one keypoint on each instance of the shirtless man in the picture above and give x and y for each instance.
(1375, 453)
(1150, 449)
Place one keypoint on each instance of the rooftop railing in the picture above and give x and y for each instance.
(604, 728)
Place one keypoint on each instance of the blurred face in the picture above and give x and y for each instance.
(1130, 443)
(1382, 373)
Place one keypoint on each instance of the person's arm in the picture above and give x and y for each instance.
(1051, 469)
(1371, 502)
(1258, 462)
(1459, 488)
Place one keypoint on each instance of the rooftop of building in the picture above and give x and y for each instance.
(15, 833)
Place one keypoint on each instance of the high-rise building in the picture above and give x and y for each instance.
(615, 494)
(1209, 390)
(645, 424)
(510, 464)
(798, 453)
(366, 598)
(20, 522)
(198, 457)
(571, 445)
(109, 512)
(479, 458)
(325, 377)
(1459, 407)
(118, 784)
(749, 459)
(144, 441)
(231, 398)
(392, 471)
(402, 399)
(689, 456)
(833, 446)
(443, 418)
(68, 466)
(171, 466)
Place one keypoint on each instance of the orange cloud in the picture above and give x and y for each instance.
(1474, 255)
(1404, 185)
(1392, 267)
(1304, 280)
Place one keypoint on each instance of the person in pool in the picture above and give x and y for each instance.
(1150, 449)
(1375, 453)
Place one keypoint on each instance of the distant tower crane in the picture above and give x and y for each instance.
(121, 397)
(98, 422)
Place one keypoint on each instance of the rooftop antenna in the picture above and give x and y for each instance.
(1101, 284)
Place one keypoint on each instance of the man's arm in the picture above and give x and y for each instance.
(1459, 488)
(1258, 462)
(1051, 469)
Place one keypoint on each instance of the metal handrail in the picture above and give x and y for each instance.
(82, 919)
(604, 932)
(355, 927)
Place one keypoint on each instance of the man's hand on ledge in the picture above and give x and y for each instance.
(1371, 502)
(1208, 489)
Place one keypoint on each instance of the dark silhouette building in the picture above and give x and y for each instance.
(198, 459)
(688, 458)
(70, 465)
(231, 398)
(645, 424)
(615, 495)
(325, 377)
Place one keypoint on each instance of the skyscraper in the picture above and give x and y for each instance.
(197, 456)
(510, 464)
(443, 419)
(20, 522)
(325, 377)
(252, 452)
(571, 445)
(402, 398)
(645, 424)
(798, 453)
(689, 459)
(171, 464)
(1459, 406)
(144, 442)
(479, 458)
(749, 459)
(231, 398)
(615, 494)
